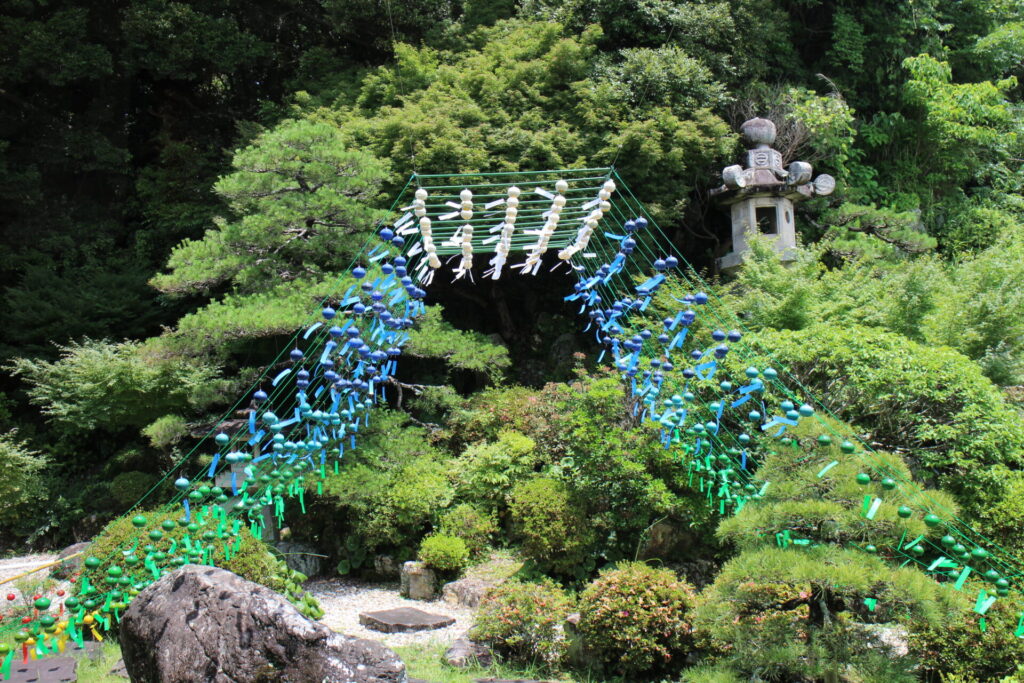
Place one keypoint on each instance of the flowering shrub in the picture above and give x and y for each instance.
(636, 618)
(524, 621)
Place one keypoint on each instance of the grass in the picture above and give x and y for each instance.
(427, 662)
(98, 670)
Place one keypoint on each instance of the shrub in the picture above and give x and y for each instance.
(524, 621)
(956, 646)
(553, 529)
(386, 495)
(444, 553)
(489, 470)
(474, 527)
(251, 559)
(128, 488)
(931, 401)
(636, 618)
(20, 485)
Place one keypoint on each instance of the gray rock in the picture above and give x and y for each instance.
(892, 638)
(418, 582)
(301, 557)
(464, 652)
(206, 624)
(386, 566)
(69, 567)
(467, 592)
(404, 620)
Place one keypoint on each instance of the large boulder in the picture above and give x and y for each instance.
(206, 624)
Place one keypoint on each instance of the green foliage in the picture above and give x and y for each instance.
(524, 621)
(128, 488)
(929, 400)
(635, 618)
(21, 486)
(488, 470)
(166, 431)
(554, 530)
(99, 385)
(521, 94)
(475, 527)
(471, 351)
(300, 198)
(389, 491)
(444, 553)
(969, 127)
(971, 306)
(957, 647)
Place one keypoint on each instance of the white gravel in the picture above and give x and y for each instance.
(18, 565)
(343, 599)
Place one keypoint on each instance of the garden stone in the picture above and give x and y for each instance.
(204, 623)
(418, 582)
(467, 592)
(465, 652)
(300, 557)
(404, 620)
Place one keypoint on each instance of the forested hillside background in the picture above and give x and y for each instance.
(150, 267)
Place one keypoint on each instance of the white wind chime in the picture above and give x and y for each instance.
(416, 218)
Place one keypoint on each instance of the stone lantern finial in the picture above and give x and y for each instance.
(758, 132)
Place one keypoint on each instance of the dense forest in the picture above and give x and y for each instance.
(151, 271)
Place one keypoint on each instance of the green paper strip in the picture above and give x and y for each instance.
(871, 603)
(302, 502)
(983, 602)
(826, 468)
(867, 505)
(874, 508)
(1020, 627)
(963, 577)
(5, 670)
(982, 625)
(914, 542)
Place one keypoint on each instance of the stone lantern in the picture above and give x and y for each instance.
(760, 197)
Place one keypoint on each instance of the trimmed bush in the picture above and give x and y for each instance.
(554, 531)
(444, 553)
(524, 621)
(635, 618)
(474, 527)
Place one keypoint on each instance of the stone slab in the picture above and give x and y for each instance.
(45, 670)
(404, 620)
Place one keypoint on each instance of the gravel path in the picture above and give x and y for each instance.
(343, 599)
(18, 565)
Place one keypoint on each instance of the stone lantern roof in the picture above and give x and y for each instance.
(764, 173)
